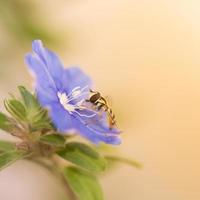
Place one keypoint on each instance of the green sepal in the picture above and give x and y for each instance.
(5, 123)
(116, 159)
(53, 139)
(7, 146)
(9, 157)
(40, 114)
(37, 117)
(16, 109)
(40, 120)
(83, 156)
(84, 185)
(29, 100)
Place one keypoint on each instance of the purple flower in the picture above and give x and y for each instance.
(64, 92)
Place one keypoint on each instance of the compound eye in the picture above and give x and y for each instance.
(95, 97)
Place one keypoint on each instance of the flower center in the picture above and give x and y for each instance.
(65, 100)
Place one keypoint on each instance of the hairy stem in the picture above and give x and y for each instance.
(62, 178)
(54, 168)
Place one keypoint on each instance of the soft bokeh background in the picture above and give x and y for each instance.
(145, 55)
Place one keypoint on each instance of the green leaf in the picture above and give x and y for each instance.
(116, 159)
(39, 125)
(7, 146)
(40, 120)
(7, 158)
(53, 139)
(36, 115)
(5, 123)
(16, 109)
(83, 156)
(84, 185)
(39, 115)
(29, 100)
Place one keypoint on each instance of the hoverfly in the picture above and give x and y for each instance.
(100, 103)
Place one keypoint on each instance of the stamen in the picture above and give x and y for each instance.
(73, 108)
(83, 115)
(75, 97)
(80, 102)
(84, 88)
(85, 108)
(76, 88)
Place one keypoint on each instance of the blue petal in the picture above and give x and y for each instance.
(74, 77)
(50, 60)
(60, 117)
(95, 136)
(97, 123)
(46, 97)
(40, 71)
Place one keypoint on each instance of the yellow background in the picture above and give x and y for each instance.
(145, 55)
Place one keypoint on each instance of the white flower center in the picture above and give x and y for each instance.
(76, 93)
(64, 102)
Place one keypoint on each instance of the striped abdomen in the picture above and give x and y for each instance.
(102, 104)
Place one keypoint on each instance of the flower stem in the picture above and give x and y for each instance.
(59, 174)
(54, 168)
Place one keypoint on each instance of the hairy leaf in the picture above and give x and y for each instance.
(37, 116)
(6, 146)
(29, 100)
(117, 159)
(5, 123)
(53, 139)
(16, 109)
(84, 185)
(7, 158)
(83, 156)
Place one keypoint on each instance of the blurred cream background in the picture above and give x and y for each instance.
(146, 56)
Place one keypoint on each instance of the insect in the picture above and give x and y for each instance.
(100, 103)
